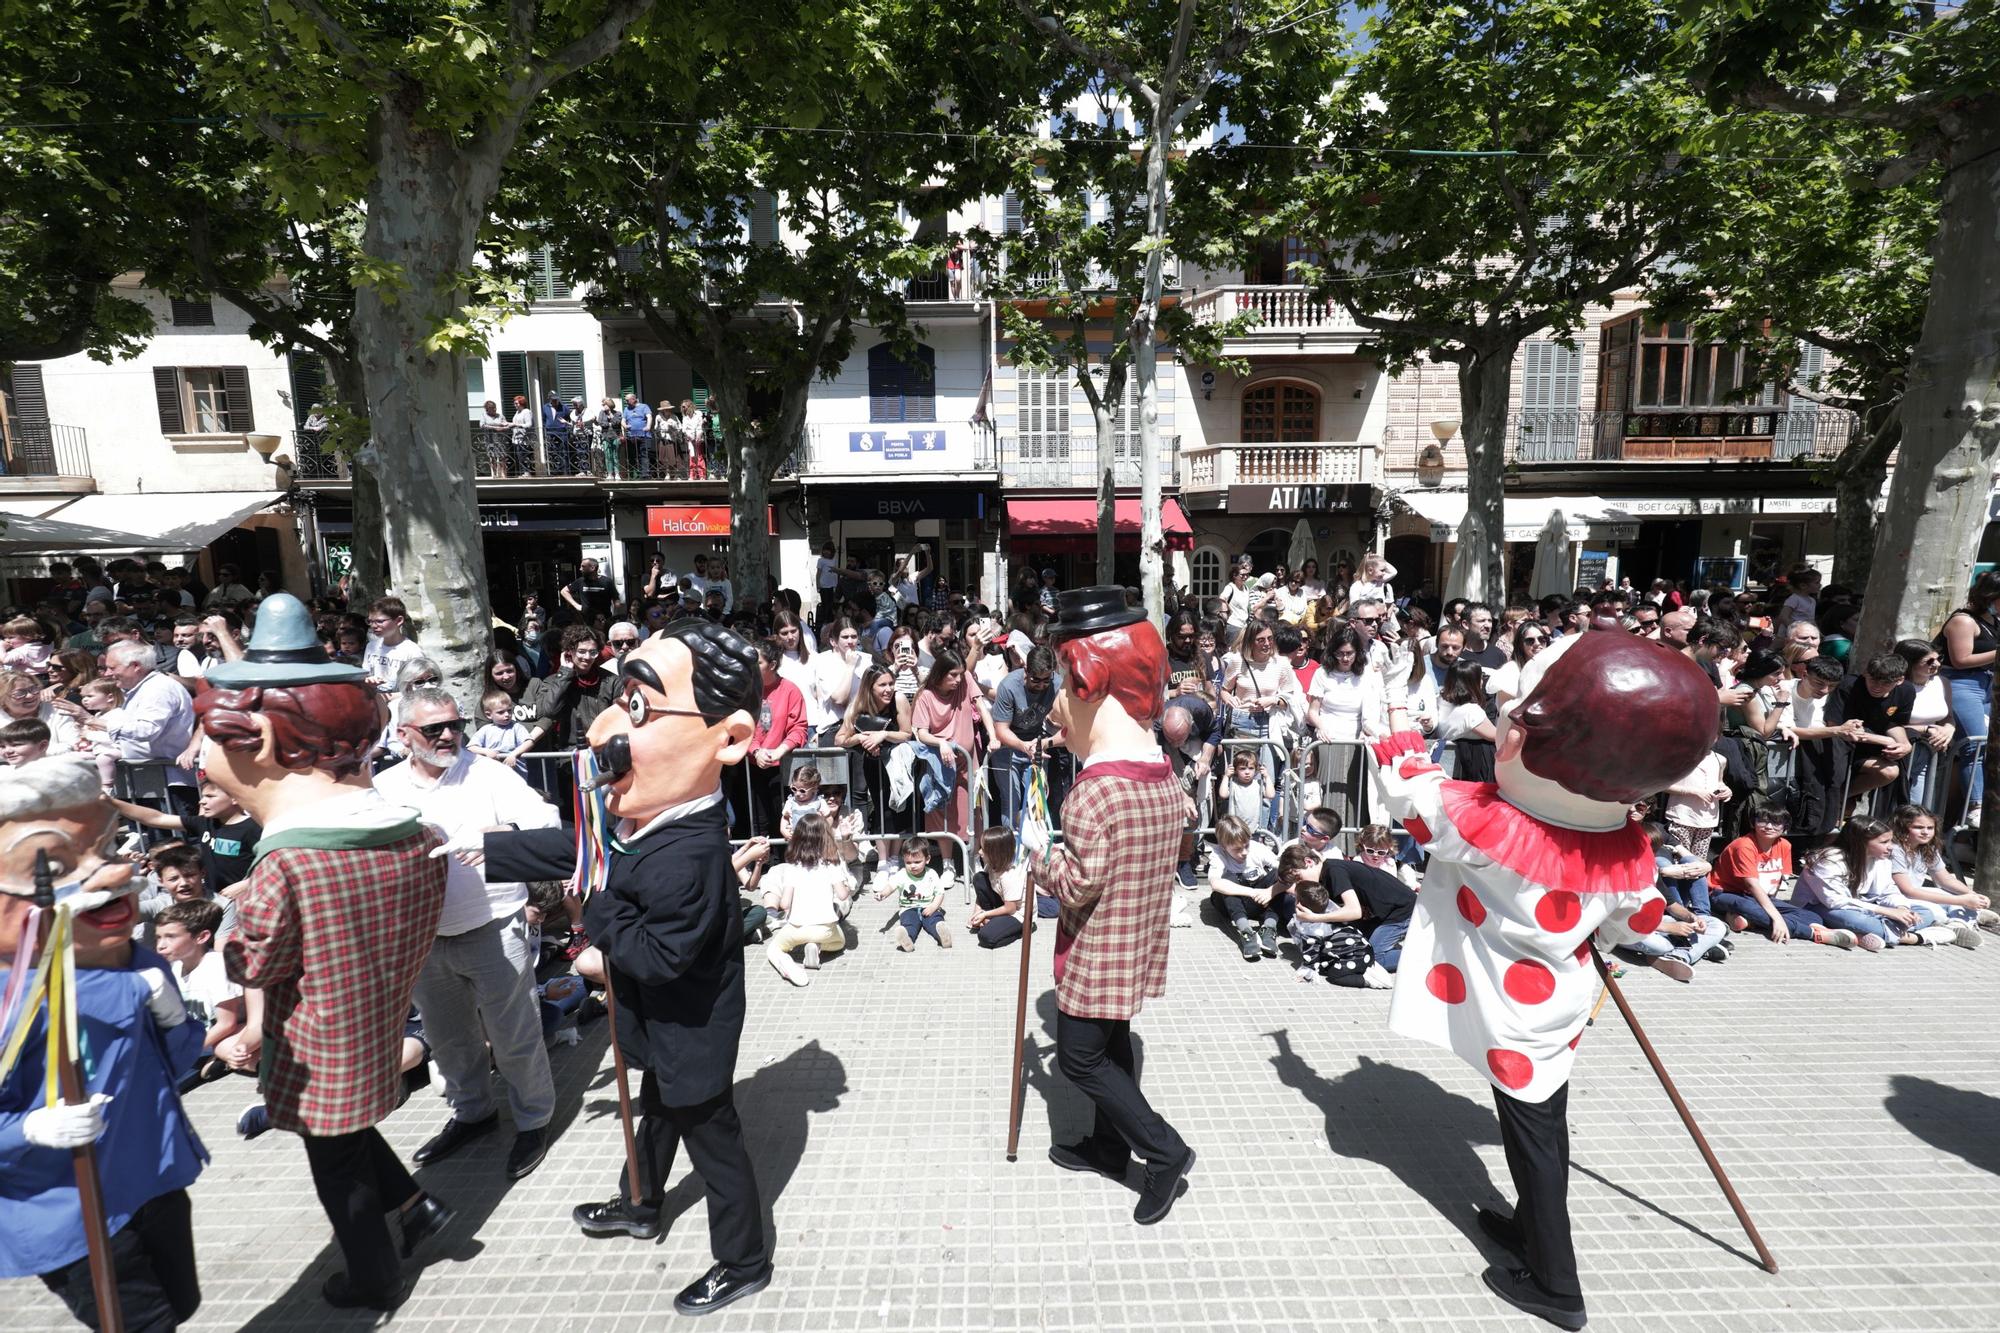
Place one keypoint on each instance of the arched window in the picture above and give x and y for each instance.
(1205, 572)
(1281, 412)
(899, 390)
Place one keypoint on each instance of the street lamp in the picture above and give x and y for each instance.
(265, 445)
(1444, 429)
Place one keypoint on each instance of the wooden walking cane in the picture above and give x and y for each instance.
(624, 1093)
(96, 1235)
(1017, 1088)
(1687, 1116)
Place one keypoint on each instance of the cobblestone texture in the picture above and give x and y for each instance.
(1855, 1100)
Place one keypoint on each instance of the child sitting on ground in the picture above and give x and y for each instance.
(1924, 882)
(1748, 877)
(1328, 950)
(803, 798)
(1685, 935)
(809, 889)
(919, 897)
(1247, 794)
(502, 737)
(23, 740)
(999, 887)
(184, 935)
(1242, 883)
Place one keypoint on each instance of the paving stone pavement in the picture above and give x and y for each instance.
(1855, 1099)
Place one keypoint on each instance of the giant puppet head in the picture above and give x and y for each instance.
(1114, 672)
(286, 725)
(57, 807)
(687, 700)
(1602, 720)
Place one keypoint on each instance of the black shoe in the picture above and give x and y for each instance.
(1251, 951)
(1185, 873)
(1517, 1287)
(615, 1217)
(1716, 954)
(338, 1292)
(255, 1121)
(1503, 1231)
(530, 1147)
(422, 1220)
(1268, 939)
(1085, 1156)
(1163, 1184)
(455, 1135)
(716, 1288)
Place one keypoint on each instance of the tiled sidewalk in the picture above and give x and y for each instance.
(1855, 1099)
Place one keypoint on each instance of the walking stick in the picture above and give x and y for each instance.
(1687, 1116)
(1017, 1090)
(1603, 994)
(624, 1093)
(96, 1235)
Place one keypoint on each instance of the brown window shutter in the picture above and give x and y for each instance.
(167, 389)
(236, 388)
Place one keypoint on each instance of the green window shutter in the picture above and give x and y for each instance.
(569, 375)
(513, 380)
(699, 392)
(542, 275)
(475, 376)
(236, 393)
(628, 372)
(763, 218)
(308, 374)
(167, 391)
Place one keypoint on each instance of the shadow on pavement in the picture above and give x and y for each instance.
(1402, 1121)
(472, 1182)
(1959, 1121)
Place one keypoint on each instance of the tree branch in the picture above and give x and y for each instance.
(1231, 45)
(1122, 68)
(338, 38)
(594, 45)
(1918, 113)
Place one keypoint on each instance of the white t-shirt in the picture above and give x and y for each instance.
(1932, 706)
(812, 889)
(1903, 861)
(1698, 810)
(1460, 720)
(1235, 605)
(829, 573)
(1291, 605)
(204, 989)
(1806, 712)
(1013, 882)
(384, 662)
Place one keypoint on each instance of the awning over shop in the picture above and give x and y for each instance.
(1586, 517)
(157, 521)
(1064, 525)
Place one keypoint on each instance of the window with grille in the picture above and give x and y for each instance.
(1280, 414)
(1205, 572)
(899, 390)
(203, 400)
(1044, 414)
(192, 314)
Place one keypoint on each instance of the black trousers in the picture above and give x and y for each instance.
(153, 1254)
(714, 1137)
(1096, 1055)
(1536, 1137)
(359, 1179)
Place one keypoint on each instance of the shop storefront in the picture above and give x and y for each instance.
(1062, 535)
(529, 547)
(874, 526)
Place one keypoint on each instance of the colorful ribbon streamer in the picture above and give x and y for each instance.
(593, 831)
(55, 982)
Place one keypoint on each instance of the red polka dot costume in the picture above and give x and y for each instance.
(1497, 962)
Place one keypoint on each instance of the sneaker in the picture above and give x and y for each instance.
(1839, 939)
(1716, 954)
(812, 958)
(1185, 872)
(578, 941)
(1674, 968)
(1267, 938)
(254, 1121)
(1964, 936)
(789, 970)
(1306, 974)
(1933, 936)
(904, 940)
(1251, 950)
(1378, 977)
(944, 936)
(1871, 943)
(1989, 920)
(1739, 923)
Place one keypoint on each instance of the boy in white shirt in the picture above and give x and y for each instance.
(184, 935)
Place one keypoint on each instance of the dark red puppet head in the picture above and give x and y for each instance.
(1615, 717)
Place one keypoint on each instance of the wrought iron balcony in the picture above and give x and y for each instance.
(44, 449)
(1746, 433)
(578, 453)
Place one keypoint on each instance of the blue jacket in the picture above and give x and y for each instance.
(148, 1148)
(934, 781)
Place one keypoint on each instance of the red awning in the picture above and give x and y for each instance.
(1056, 525)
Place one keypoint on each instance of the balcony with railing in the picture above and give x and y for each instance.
(1217, 467)
(1750, 434)
(497, 455)
(1287, 313)
(34, 451)
(1071, 463)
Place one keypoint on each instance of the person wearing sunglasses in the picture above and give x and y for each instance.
(1529, 638)
(476, 992)
(668, 935)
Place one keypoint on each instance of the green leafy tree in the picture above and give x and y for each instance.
(1927, 77)
(1486, 173)
(1174, 70)
(414, 110)
(766, 207)
(1825, 287)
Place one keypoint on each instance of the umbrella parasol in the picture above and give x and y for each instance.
(1552, 568)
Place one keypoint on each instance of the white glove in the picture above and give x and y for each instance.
(164, 1002)
(1034, 838)
(65, 1126)
(471, 840)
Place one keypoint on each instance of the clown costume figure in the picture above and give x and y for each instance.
(1524, 872)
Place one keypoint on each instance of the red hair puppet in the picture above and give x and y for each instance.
(1128, 663)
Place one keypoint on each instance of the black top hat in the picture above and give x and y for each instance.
(1082, 611)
